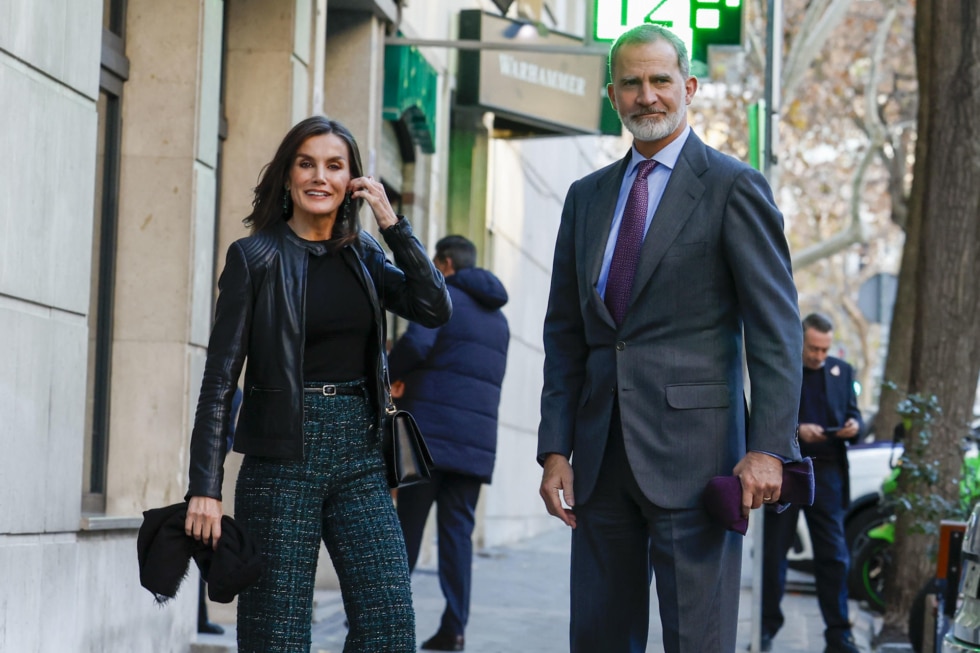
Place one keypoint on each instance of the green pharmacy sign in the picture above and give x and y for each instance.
(699, 23)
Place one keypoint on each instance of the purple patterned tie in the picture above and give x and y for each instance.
(619, 283)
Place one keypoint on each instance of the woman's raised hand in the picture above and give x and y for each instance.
(373, 192)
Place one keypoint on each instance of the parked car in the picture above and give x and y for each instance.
(870, 464)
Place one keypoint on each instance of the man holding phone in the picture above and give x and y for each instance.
(829, 419)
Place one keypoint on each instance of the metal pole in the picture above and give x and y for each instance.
(589, 24)
(756, 531)
(319, 60)
(774, 57)
(467, 44)
(774, 71)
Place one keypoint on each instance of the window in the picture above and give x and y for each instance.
(113, 73)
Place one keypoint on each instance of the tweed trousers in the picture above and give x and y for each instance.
(338, 493)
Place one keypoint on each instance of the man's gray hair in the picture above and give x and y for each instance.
(649, 33)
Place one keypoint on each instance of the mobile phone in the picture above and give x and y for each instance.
(831, 430)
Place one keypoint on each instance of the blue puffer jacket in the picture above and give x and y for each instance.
(453, 374)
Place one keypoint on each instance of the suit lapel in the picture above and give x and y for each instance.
(682, 194)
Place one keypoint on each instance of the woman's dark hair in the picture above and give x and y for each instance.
(272, 202)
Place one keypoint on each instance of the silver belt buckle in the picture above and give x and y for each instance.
(329, 391)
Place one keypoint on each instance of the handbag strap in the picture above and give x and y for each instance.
(390, 408)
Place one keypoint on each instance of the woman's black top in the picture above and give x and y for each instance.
(338, 320)
(260, 315)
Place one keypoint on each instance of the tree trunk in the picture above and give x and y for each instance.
(896, 378)
(945, 350)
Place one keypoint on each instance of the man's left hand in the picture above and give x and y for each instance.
(762, 478)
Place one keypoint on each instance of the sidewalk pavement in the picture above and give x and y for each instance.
(520, 603)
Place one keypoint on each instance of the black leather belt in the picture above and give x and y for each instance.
(335, 390)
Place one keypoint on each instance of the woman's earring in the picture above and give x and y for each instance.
(285, 201)
(346, 205)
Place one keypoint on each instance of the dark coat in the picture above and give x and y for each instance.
(453, 375)
(841, 405)
(260, 315)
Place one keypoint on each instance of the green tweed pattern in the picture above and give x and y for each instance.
(338, 492)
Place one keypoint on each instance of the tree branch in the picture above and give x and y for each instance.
(820, 19)
(839, 241)
(877, 136)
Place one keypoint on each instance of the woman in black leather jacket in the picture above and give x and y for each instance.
(303, 300)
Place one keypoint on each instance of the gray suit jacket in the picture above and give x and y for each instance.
(715, 260)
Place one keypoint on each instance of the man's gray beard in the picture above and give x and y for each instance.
(652, 130)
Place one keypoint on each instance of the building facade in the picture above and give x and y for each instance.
(133, 134)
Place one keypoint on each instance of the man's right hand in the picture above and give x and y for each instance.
(555, 482)
(397, 389)
(812, 433)
(204, 520)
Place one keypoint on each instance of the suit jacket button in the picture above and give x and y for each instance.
(620, 346)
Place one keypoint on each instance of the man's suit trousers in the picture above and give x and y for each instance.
(622, 541)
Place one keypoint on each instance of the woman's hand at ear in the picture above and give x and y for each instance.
(373, 192)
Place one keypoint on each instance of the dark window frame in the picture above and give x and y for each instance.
(113, 74)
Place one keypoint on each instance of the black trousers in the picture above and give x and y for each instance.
(455, 496)
(825, 519)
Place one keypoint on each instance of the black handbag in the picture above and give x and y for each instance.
(407, 458)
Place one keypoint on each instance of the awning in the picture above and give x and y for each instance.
(410, 94)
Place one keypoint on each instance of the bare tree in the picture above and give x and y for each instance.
(854, 99)
(843, 170)
(874, 127)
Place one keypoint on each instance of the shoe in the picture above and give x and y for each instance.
(209, 628)
(843, 643)
(443, 642)
(765, 642)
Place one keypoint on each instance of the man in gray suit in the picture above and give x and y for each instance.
(661, 270)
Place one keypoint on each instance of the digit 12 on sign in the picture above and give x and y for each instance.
(613, 17)
(698, 23)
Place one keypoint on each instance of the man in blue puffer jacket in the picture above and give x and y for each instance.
(452, 377)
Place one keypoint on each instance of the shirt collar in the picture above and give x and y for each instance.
(666, 157)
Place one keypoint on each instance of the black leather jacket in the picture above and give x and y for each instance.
(260, 315)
